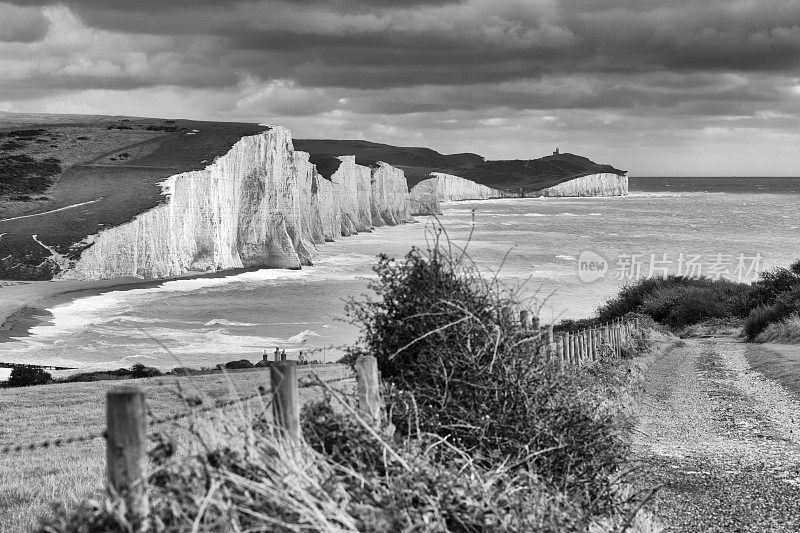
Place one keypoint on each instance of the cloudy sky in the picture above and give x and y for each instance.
(660, 87)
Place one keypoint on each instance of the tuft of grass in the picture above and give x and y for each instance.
(786, 330)
(758, 320)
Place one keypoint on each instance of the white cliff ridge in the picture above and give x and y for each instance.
(426, 195)
(262, 204)
(604, 184)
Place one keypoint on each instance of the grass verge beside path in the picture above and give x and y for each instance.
(778, 362)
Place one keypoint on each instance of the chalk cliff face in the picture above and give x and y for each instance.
(424, 198)
(606, 184)
(390, 197)
(426, 195)
(260, 205)
(356, 195)
(452, 188)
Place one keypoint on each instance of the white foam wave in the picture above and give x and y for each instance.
(566, 257)
(226, 323)
(302, 337)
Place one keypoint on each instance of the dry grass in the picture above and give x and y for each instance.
(236, 476)
(31, 481)
(786, 331)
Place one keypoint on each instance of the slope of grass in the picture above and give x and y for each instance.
(31, 480)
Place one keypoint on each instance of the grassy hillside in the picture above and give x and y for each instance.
(72, 473)
(514, 174)
(531, 175)
(416, 162)
(93, 172)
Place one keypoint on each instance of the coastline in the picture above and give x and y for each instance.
(25, 304)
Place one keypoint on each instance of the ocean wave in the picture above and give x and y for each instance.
(566, 257)
(656, 195)
(302, 337)
(227, 323)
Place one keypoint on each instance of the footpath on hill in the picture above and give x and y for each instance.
(721, 440)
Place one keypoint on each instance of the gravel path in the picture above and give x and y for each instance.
(721, 440)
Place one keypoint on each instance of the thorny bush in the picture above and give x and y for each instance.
(472, 375)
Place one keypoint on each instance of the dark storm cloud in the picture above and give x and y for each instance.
(392, 39)
(21, 24)
(429, 64)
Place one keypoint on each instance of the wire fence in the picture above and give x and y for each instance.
(567, 349)
(154, 421)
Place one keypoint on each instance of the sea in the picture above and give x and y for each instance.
(563, 257)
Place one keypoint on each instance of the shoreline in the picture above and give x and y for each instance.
(25, 304)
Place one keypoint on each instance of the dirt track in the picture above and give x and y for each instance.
(721, 440)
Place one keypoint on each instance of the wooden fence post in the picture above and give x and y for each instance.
(285, 401)
(525, 319)
(587, 334)
(126, 448)
(559, 354)
(369, 392)
(535, 323)
(573, 350)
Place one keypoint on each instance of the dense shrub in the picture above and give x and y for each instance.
(776, 282)
(241, 363)
(341, 438)
(439, 336)
(25, 377)
(758, 320)
(137, 371)
(23, 174)
(680, 301)
(684, 305)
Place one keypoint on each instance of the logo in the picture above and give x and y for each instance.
(591, 267)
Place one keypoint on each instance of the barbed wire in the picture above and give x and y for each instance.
(217, 405)
(52, 443)
(152, 420)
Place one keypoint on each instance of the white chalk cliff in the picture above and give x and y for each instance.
(604, 184)
(263, 204)
(426, 195)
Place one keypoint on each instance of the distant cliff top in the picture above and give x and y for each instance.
(532, 174)
(418, 162)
